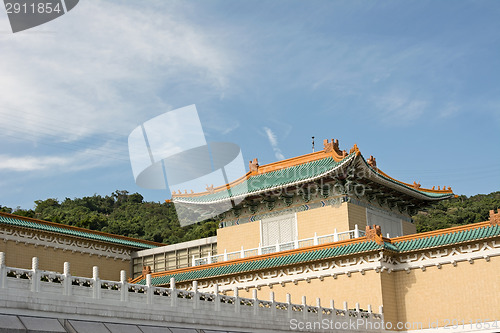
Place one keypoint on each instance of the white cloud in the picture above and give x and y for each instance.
(274, 143)
(106, 65)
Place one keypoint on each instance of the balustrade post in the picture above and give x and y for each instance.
(67, 283)
(3, 271)
(124, 286)
(196, 296)
(304, 304)
(345, 306)
(173, 293)
(370, 308)
(332, 305)
(320, 310)
(193, 262)
(225, 255)
(315, 240)
(35, 275)
(273, 303)
(289, 305)
(242, 255)
(335, 235)
(356, 231)
(96, 285)
(357, 307)
(237, 301)
(296, 243)
(381, 311)
(209, 260)
(259, 249)
(149, 289)
(255, 301)
(277, 246)
(217, 297)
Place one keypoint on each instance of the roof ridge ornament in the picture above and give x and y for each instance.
(254, 165)
(494, 217)
(374, 234)
(333, 146)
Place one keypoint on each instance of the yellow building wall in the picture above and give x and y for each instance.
(322, 221)
(356, 215)
(233, 238)
(50, 259)
(462, 293)
(362, 289)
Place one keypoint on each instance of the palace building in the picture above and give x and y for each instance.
(324, 235)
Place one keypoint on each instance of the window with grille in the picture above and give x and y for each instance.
(279, 229)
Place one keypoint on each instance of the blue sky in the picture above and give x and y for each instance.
(414, 83)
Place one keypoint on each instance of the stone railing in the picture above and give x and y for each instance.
(123, 298)
(300, 243)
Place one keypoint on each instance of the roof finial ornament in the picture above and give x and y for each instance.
(313, 143)
(372, 162)
(416, 185)
(253, 165)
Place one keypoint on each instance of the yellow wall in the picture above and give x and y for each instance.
(322, 221)
(357, 215)
(233, 238)
(409, 228)
(50, 259)
(465, 292)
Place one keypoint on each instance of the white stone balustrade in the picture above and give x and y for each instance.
(316, 240)
(64, 292)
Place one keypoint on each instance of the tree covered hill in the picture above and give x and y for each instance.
(128, 214)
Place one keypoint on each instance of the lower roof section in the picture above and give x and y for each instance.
(370, 243)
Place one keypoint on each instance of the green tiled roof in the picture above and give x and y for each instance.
(270, 180)
(267, 263)
(448, 238)
(67, 231)
(444, 239)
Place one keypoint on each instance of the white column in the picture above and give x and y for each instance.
(304, 303)
(335, 235)
(173, 293)
(332, 305)
(242, 255)
(67, 283)
(315, 240)
(356, 231)
(96, 285)
(255, 300)
(196, 297)
(236, 300)
(225, 255)
(217, 297)
(124, 286)
(3, 273)
(289, 305)
(259, 249)
(35, 277)
(149, 289)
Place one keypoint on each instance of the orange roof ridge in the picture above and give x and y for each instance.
(416, 185)
(440, 231)
(330, 150)
(70, 227)
(256, 257)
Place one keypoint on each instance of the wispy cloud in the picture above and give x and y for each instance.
(274, 143)
(108, 71)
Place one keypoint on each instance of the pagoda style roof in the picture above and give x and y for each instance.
(36, 224)
(331, 165)
(371, 243)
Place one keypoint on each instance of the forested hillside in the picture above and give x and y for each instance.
(128, 214)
